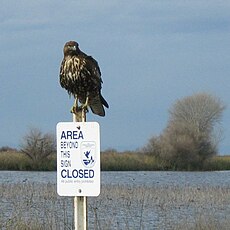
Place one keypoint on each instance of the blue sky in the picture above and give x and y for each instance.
(151, 53)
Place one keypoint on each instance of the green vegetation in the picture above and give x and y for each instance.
(111, 160)
(37, 206)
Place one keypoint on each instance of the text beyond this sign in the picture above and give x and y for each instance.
(78, 158)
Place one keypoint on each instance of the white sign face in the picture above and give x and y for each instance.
(78, 159)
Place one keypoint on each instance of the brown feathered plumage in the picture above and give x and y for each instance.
(80, 75)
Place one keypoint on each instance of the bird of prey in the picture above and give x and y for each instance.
(80, 75)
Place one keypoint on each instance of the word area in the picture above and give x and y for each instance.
(78, 159)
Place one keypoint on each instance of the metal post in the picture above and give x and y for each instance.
(80, 202)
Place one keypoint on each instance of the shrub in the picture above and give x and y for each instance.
(14, 161)
(38, 147)
(7, 149)
(191, 135)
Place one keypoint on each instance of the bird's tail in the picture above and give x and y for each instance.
(96, 105)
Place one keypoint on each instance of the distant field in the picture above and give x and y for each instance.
(110, 161)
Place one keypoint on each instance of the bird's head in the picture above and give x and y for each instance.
(71, 48)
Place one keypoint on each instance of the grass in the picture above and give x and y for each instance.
(135, 161)
(218, 163)
(37, 206)
(111, 160)
(128, 161)
(15, 160)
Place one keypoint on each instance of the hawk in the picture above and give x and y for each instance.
(80, 75)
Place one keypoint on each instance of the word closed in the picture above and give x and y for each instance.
(78, 159)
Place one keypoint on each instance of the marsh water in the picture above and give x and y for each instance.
(139, 178)
(128, 200)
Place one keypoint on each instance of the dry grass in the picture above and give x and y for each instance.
(32, 206)
(135, 161)
(167, 208)
(110, 161)
(218, 163)
(36, 206)
(15, 160)
(127, 161)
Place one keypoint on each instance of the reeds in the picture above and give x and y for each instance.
(217, 163)
(128, 161)
(110, 161)
(31, 206)
(15, 160)
(137, 161)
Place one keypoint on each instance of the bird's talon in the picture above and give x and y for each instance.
(74, 109)
(78, 109)
(84, 107)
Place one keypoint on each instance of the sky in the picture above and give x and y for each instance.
(151, 53)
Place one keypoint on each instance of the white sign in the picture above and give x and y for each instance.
(78, 159)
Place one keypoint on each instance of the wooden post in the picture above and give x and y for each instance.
(80, 202)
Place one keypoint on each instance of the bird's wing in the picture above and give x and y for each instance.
(97, 76)
(94, 69)
(97, 101)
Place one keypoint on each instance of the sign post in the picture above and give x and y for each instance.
(80, 203)
(78, 164)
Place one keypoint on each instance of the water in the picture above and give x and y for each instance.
(159, 178)
(128, 200)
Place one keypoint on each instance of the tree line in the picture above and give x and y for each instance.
(188, 142)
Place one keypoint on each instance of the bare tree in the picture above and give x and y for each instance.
(38, 146)
(201, 112)
(192, 134)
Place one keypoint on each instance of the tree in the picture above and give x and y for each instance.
(201, 111)
(191, 135)
(38, 146)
